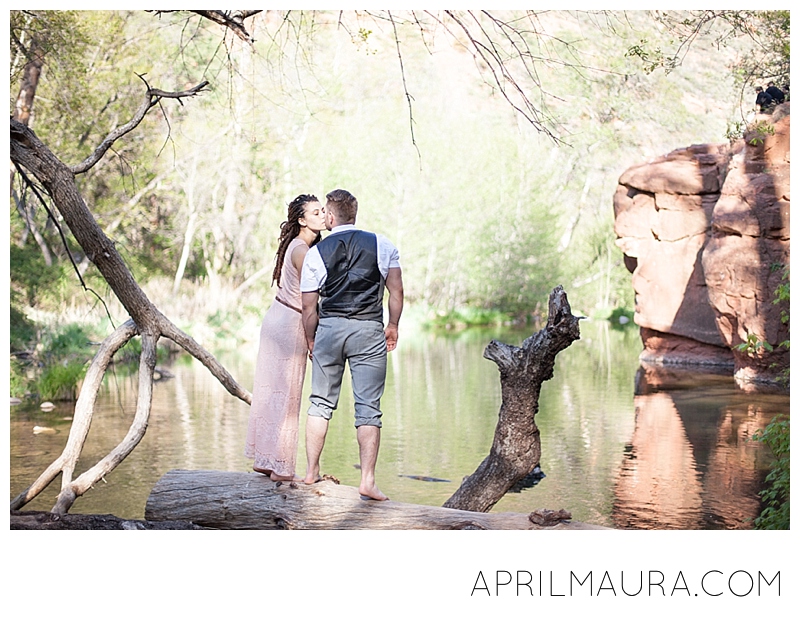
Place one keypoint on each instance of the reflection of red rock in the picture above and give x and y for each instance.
(731, 483)
(705, 232)
(658, 486)
(691, 463)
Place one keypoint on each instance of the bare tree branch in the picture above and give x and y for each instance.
(409, 98)
(233, 20)
(501, 75)
(71, 490)
(152, 97)
(187, 343)
(82, 418)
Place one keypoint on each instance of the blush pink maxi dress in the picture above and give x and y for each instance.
(278, 384)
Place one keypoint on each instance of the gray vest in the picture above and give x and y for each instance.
(354, 285)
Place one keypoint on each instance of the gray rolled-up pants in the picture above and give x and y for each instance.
(362, 344)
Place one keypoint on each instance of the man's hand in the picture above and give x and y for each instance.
(391, 337)
(310, 320)
(394, 284)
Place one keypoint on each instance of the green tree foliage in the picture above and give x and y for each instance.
(32, 281)
(771, 60)
(488, 212)
(19, 383)
(767, 34)
(776, 435)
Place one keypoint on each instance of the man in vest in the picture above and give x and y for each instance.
(342, 283)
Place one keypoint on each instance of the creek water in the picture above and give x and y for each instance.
(617, 449)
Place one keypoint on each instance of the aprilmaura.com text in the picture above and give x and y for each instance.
(653, 583)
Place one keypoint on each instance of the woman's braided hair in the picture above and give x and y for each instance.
(290, 229)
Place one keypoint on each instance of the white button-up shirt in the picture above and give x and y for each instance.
(314, 273)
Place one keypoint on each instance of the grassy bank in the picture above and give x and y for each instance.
(51, 347)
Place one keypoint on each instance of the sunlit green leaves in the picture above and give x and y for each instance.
(487, 212)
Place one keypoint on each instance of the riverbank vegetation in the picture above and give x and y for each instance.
(776, 435)
(775, 498)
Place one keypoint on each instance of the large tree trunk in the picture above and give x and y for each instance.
(58, 179)
(239, 500)
(22, 113)
(516, 448)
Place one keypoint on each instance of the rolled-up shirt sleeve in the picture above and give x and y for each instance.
(314, 274)
(388, 255)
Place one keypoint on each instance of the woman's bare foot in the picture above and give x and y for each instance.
(277, 478)
(266, 472)
(372, 492)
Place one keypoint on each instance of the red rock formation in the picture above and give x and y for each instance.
(705, 232)
(747, 252)
(663, 219)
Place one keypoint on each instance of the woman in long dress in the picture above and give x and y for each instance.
(282, 353)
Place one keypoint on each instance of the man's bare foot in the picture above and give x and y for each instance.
(372, 492)
(312, 477)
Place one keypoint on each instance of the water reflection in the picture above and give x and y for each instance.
(691, 463)
(673, 455)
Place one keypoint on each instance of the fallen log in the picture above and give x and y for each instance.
(39, 520)
(249, 501)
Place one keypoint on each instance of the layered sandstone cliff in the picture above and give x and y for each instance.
(705, 233)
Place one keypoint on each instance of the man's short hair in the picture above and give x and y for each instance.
(343, 204)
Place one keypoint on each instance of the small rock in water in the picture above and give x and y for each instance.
(38, 430)
(16, 401)
(160, 374)
(47, 406)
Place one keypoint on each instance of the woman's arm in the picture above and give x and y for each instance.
(298, 254)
